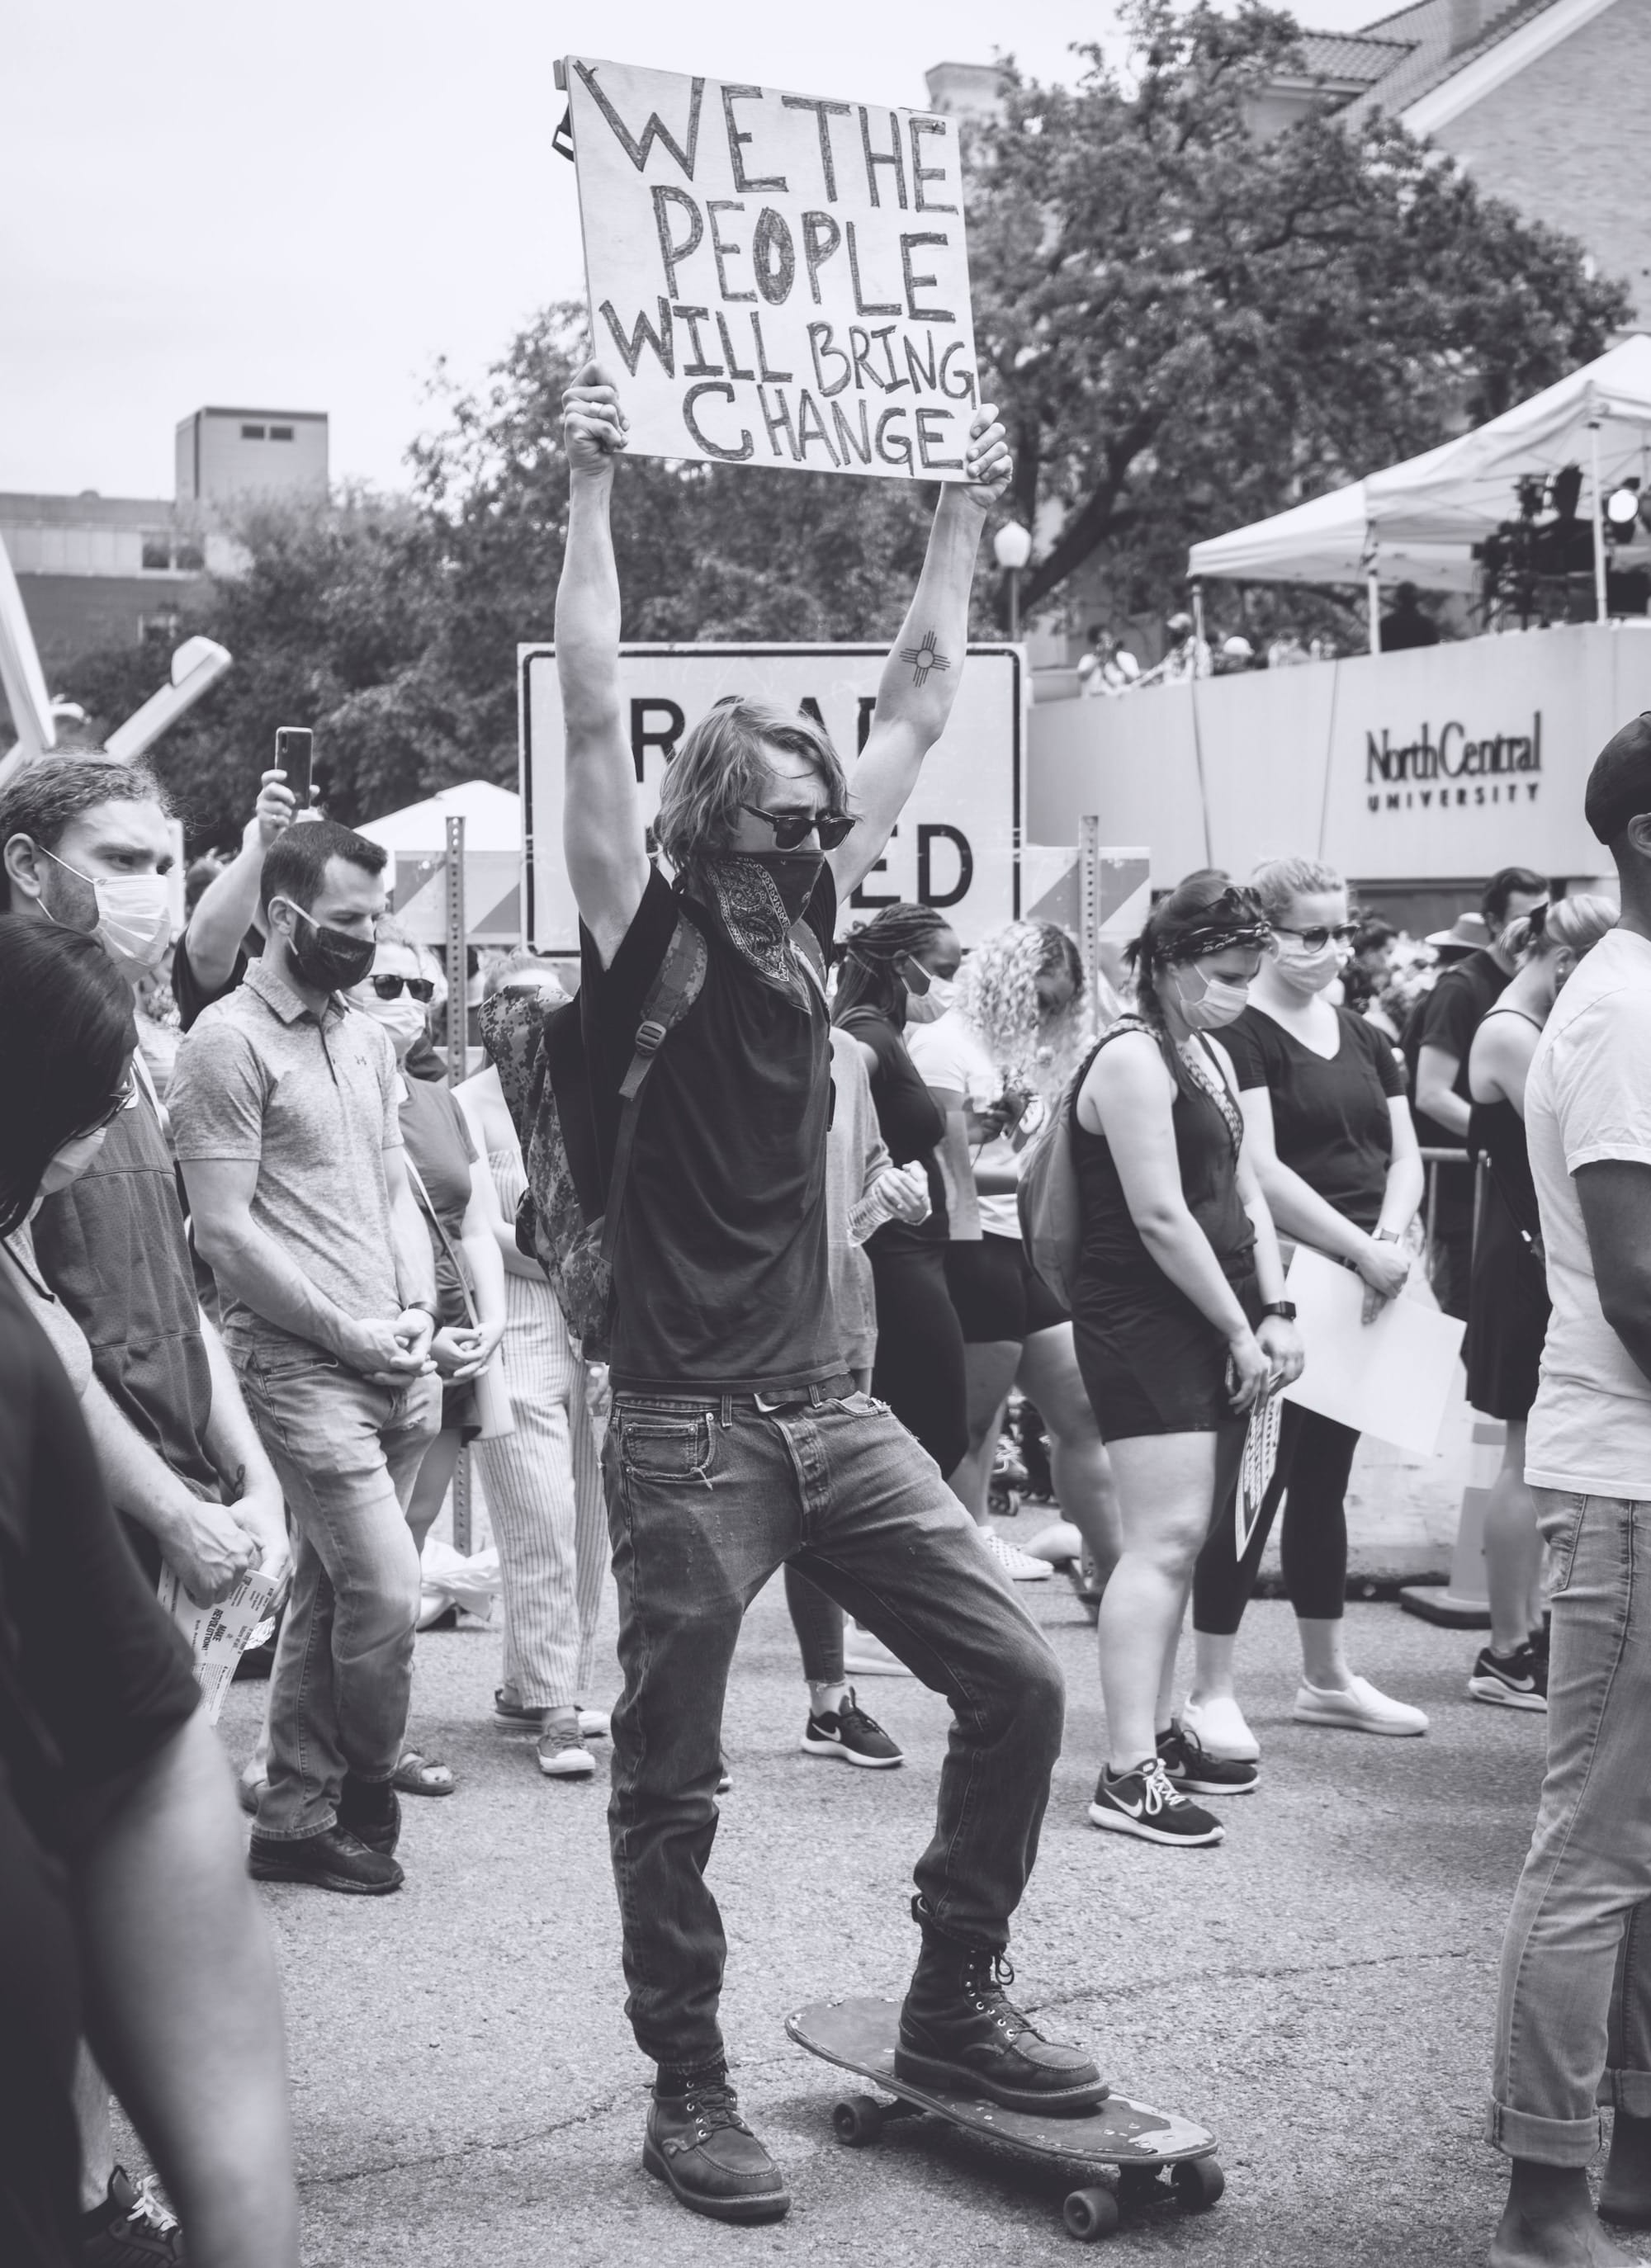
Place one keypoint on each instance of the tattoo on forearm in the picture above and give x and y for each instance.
(924, 658)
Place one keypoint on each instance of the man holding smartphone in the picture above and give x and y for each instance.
(209, 958)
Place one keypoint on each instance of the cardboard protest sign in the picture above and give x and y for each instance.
(776, 279)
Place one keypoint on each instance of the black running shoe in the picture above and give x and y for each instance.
(1147, 1804)
(132, 2228)
(849, 1733)
(1511, 1681)
(1190, 1766)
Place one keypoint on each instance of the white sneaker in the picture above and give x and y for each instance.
(594, 1724)
(1018, 1565)
(561, 1755)
(865, 1655)
(1360, 1709)
(1060, 1544)
(1217, 1726)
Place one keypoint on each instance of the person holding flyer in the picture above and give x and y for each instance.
(1182, 1325)
(739, 1440)
(1327, 1123)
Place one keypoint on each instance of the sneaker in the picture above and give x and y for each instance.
(865, 1655)
(1360, 1709)
(725, 1777)
(132, 2228)
(562, 1751)
(1018, 1565)
(847, 1732)
(1190, 1766)
(334, 1859)
(595, 1725)
(704, 2152)
(1217, 1726)
(1511, 1681)
(959, 2029)
(1146, 1802)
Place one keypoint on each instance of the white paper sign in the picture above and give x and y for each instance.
(957, 845)
(776, 279)
(1392, 1377)
(217, 1635)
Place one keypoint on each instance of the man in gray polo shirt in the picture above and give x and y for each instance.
(285, 1112)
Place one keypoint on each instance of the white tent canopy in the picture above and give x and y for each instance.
(1418, 521)
(417, 840)
(492, 816)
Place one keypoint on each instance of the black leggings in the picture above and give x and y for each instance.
(818, 1623)
(1315, 1462)
(919, 1370)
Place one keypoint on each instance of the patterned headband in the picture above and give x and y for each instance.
(1200, 944)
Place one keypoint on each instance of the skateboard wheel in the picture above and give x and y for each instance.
(1199, 2183)
(1090, 2214)
(856, 2120)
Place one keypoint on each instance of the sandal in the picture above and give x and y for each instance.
(418, 1775)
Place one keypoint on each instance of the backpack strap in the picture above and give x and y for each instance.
(679, 983)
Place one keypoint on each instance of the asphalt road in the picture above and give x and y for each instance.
(1318, 1990)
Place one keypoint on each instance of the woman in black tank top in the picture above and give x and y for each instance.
(1181, 1326)
(1507, 1300)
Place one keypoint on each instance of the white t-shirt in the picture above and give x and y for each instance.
(950, 1053)
(1588, 1097)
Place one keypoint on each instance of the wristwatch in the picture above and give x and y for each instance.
(1284, 1310)
(424, 1307)
(1385, 1236)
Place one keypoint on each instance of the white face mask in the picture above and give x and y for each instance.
(928, 1007)
(404, 1017)
(1310, 971)
(1217, 1002)
(134, 923)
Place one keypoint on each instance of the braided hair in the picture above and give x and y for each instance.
(869, 973)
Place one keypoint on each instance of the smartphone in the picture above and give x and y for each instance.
(294, 754)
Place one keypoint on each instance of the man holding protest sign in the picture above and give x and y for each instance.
(737, 1440)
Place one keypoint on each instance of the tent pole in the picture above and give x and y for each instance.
(1373, 599)
(1599, 525)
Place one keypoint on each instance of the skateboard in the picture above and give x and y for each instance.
(1154, 2154)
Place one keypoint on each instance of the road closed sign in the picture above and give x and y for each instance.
(957, 842)
(776, 279)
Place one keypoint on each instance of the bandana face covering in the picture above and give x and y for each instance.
(756, 896)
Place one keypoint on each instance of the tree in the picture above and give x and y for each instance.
(1191, 328)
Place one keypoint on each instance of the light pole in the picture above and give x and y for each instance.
(1011, 548)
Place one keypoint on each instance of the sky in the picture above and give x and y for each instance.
(306, 207)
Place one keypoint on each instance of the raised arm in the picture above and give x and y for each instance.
(602, 834)
(921, 676)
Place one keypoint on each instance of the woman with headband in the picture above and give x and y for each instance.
(1181, 1327)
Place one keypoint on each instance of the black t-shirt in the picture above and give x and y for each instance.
(1330, 1120)
(910, 1121)
(1447, 1018)
(720, 1267)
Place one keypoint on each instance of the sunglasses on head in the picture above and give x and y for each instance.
(1316, 940)
(389, 988)
(791, 829)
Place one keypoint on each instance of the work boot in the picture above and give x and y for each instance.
(372, 1811)
(700, 2148)
(958, 2029)
(334, 1859)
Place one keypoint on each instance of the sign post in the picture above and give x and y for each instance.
(775, 279)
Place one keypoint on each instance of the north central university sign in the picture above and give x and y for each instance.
(775, 279)
(1452, 772)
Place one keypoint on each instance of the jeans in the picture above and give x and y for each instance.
(1574, 2025)
(347, 1453)
(704, 1502)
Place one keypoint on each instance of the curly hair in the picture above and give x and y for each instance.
(997, 994)
(868, 974)
(721, 765)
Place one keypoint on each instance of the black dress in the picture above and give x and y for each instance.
(1151, 1360)
(1507, 1305)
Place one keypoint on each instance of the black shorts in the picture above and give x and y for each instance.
(997, 1292)
(1152, 1364)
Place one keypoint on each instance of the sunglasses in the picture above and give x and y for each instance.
(791, 829)
(389, 988)
(119, 1102)
(1316, 940)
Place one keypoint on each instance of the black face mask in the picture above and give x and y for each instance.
(330, 959)
(795, 875)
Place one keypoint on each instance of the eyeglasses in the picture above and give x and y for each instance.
(1316, 940)
(389, 988)
(119, 1102)
(793, 827)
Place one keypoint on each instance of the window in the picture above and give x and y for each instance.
(157, 551)
(280, 432)
(251, 433)
(189, 559)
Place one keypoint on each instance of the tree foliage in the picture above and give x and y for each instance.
(1188, 328)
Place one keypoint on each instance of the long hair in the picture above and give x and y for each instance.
(66, 1034)
(867, 976)
(1204, 914)
(996, 993)
(721, 765)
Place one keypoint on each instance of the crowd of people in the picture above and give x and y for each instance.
(262, 1285)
